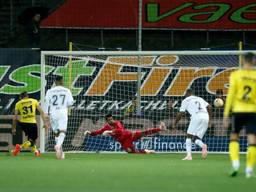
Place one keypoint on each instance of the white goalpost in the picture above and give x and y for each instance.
(105, 82)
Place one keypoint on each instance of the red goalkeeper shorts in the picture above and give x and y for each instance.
(127, 143)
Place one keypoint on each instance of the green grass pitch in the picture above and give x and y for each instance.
(120, 172)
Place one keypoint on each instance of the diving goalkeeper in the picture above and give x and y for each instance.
(125, 137)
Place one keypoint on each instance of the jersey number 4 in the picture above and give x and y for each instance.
(56, 99)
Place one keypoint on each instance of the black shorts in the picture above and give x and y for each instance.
(30, 130)
(244, 120)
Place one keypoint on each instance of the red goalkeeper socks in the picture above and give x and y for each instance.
(151, 131)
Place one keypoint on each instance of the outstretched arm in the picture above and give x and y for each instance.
(98, 132)
(14, 121)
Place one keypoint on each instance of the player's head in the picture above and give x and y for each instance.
(23, 95)
(189, 92)
(59, 80)
(109, 119)
(249, 60)
(37, 17)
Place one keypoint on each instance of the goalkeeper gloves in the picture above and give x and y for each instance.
(105, 133)
(87, 133)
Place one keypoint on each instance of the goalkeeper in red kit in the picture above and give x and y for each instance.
(125, 137)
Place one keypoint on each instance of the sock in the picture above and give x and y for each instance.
(61, 139)
(26, 144)
(199, 142)
(151, 131)
(188, 146)
(34, 148)
(248, 170)
(56, 140)
(234, 154)
(251, 158)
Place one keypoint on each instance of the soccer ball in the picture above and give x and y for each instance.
(218, 102)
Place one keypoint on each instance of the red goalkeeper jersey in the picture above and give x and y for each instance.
(119, 132)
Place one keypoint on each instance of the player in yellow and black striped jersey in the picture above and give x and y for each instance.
(26, 109)
(241, 106)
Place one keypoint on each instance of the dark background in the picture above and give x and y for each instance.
(12, 34)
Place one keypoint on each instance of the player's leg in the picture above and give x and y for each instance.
(25, 128)
(251, 150)
(54, 127)
(54, 120)
(191, 132)
(188, 147)
(139, 134)
(198, 141)
(134, 151)
(62, 129)
(251, 155)
(234, 153)
(26, 144)
(32, 137)
(61, 137)
(152, 131)
(58, 147)
(130, 148)
(236, 123)
(201, 130)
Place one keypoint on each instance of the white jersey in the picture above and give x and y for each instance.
(194, 105)
(58, 99)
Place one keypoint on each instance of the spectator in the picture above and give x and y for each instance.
(33, 31)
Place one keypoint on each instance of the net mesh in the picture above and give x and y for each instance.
(103, 84)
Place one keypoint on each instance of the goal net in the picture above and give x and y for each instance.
(140, 89)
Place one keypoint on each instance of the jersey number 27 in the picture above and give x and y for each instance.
(56, 99)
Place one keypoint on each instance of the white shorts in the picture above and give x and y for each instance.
(59, 121)
(198, 125)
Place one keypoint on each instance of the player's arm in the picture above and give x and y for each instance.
(70, 99)
(116, 132)
(119, 130)
(44, 116)
(178, 118)
(98, 132)
(47, 102)
(229, 100)
(180, 114)
(14, 121)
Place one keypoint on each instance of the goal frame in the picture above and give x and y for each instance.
(117, 53)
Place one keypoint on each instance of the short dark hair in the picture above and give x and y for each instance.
(23, 94)
(190, 91)
(58, 78)
(249, 57)
(108, 115)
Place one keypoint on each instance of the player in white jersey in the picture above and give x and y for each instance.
(58, 99)
(200, 115)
